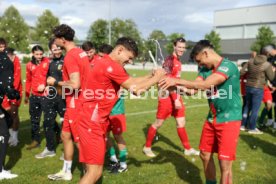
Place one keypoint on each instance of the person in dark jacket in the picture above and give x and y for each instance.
(6, 88)
(270, 52)
(257, 71)
(54, 102)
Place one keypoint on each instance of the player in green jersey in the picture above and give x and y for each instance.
(220, 77)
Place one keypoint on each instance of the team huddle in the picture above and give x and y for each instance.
(83, 88)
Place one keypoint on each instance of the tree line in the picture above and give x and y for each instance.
(20, 35)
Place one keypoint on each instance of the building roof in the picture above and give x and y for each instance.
(247, 15)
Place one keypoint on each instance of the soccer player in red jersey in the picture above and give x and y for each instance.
(90, 50)
(171, 105)
(105, 79)
(36, 74)
(75, 68)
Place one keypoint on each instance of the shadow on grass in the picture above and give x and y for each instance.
(255, 142)
(162, 138)
(186, 170)
(269, 130)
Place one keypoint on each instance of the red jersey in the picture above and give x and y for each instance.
(17, 74)
(35, 76)
(243, 82)
(103, 85)
(75, 60)
(17, 84)
(95, 57)
(172, 66)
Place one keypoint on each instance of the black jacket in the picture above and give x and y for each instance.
(6, 78)
(55, 68)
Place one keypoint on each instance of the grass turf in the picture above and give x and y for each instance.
(255, 164)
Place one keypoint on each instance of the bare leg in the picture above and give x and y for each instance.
(68, 145)
(208, 165)
(15, 118)
(226, 171)
(92, 175)
(120, 141)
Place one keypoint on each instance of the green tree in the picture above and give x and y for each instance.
(14, 29)
(171, 38)
(265, 36)
(127, 28)
(120, 28)
(44, 27)
(98, 32)
(154, 35)
(214, 38)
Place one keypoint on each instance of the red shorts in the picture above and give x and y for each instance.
(92, 142)
(267, 95)
(220, 138)
(166, 109)
(117, 124)
(69, 122)
(6, 104)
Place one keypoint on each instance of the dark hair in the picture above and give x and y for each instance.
(129, 44)
(180, 39)
(51, 42)
(86, 46)
(37, 48)
(64, 31)
(105, 48)
(9, 50)
(243, 63)
(202, 44)
(3, 41)
(267, 48)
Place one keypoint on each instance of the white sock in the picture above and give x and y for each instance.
(67, 166)
(11, 132)
(113, 158)
(15, 134)
(123, 164)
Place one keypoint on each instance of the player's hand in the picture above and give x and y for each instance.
(159, 73)
(41, 88)
(51, 81)
(166, 83)
(177, 104)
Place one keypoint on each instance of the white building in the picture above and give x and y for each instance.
(238, 27)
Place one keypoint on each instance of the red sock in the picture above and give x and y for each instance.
(183, 137)
(150, 136)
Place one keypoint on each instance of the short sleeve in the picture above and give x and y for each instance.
(225, 69)
(116, 73)
(72, 64)
(201, 73)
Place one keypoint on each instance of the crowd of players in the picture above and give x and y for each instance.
(83, 88)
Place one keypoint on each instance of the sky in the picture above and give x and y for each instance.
(192, 18)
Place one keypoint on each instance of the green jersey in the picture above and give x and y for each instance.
(224, 100)
(119, 107)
